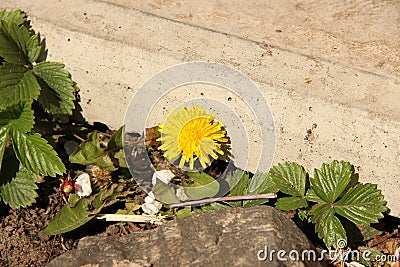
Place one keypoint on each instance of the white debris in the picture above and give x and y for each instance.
(151, 206)
(164, 176)
(82, 185)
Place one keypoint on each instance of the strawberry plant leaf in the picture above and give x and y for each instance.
(313, 197)
(290, 178)
(260, 183)
(18, 116)
(328, 226)
(59, 90)
(89, 152)
(242, 179)
(36, 154)
(19, 191)
(362, 204)
(17, 83)
(12, 16)
(33, 47)
(13, 43)
(329, 182)
(4, 135)
(291, 203)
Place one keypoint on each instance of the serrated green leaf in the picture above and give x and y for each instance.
(18, 116)
(362, 204)
(329, 182)
(33, 47)
(238, 181)
(12, 16)
(311, 196)
(69, 218)
(204, 186)
(89, 152)
(290, 178)
(19, 191)
(17, 83)
(60, 88)
(13, 43)
(328, 226)
(290, 203)
(36, 154)
(242, 181)
(4, 136)
(262, 183)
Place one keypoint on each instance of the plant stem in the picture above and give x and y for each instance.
(217, 199)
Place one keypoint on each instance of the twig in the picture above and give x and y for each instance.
(217, 199)
(156, 219)
(79, 138)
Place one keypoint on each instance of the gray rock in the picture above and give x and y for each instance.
(230, 237)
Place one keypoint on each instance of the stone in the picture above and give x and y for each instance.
(228, 237)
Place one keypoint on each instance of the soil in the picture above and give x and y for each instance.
(23, 242)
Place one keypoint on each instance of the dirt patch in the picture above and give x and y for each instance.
(23, 242)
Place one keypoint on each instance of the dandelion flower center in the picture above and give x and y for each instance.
(192, 133)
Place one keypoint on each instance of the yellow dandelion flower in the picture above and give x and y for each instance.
(192, 134)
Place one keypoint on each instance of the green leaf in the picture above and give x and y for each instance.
(182, 213)
(371, 255)
(290, 178)
(291, 203)
(260, 183)
(241, 186)
(18, 116)
(329, 182)
(120, 157)
(19, 191)
(69, 218)
(13, 43)
(36, 154)
(368, 232)
(164, 193)
(89, 152)
(4, 135)
(204, 186)
(58, 96)
(33, 47)
(362, 204)
(115, 142)
(311, 196)
(17, 83)
(212, 206)
(12, 16)
(328, 226)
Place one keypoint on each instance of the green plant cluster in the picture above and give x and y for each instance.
(327, 199)
(32, 91)
(110, 157)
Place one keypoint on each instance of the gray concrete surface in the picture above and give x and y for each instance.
(332, 64)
